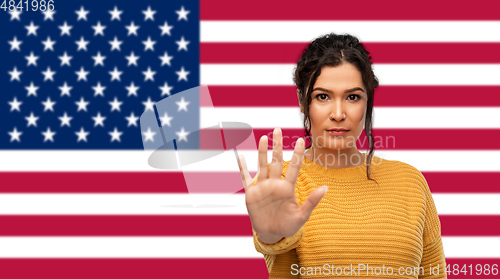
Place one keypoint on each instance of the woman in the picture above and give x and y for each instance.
(332, 210)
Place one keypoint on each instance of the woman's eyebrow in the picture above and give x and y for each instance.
(347, 91)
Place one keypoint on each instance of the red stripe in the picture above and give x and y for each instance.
(346, 10)
(470, 225)
(394, 52)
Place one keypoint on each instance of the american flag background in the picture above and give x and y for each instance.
(78, 199)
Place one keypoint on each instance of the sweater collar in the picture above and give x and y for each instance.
(353, 173)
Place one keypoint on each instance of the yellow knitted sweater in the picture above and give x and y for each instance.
(361, 228)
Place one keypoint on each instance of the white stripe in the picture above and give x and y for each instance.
(365, 30)
(387, 74)
(210, 204)
(102, 161)
(190, 247)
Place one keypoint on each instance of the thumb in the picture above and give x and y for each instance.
(312, 201)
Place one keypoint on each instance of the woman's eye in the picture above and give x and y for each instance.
(355, 96)
(317, 96)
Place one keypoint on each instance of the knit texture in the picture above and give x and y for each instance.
(389, 226)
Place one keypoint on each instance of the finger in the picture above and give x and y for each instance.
(312, 201)
(277, 160)
(245, 176)
(294, 167)
(263, 165)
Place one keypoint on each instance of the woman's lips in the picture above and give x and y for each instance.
(338, 133)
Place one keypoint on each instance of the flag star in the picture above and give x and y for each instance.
(48, 14)
(115, 105)
(149, 135)
(115, 135)
(182, 14)
(65, 120)
(132, 29)
(165, 89)
(49, 135)
(115, 14)
(15, 74)
(182, 74)
(149, 14)
(31, 28)
(32, 119)
(82, 74)
(82, 44)
(15, 105)
(132, 89)
(115, 74)
(165, 59)
(82, 135)
(31, 89)
(149, 44)
(48, 74)
(165, 29)
(182, 105)
(99, 120)
(82, 14)
(65, 89)
(15, 14)
(14, 44)
(132, 120)
(48, 44)
(48, 105)
(132, 59)
(65, 29)
(165, 120)
(82, 105)
(149, 105)
(99, 59)
(182, 135)
(182, 44)
(149, 74)
(32, 59)
(99, 29)
(115, 44)
(15, 135)
(65, 59)
(99, 90)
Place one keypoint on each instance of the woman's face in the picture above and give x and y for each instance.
(334, 93)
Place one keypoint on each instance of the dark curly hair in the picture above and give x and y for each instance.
(332, 50)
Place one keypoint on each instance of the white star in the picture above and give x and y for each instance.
(115, 44)
(15, 14)
(149, 14)
(132, 120)
(165, 29)
(149, 74)
(182, 74)
(149, 105)
(182, 135)
(99, 59)
(65, 120)
(31, 119)
(182, 105)
(82, 135)
(165, 89)
(99, 90)
(14, 44)
(48, 135)
(15, 105)
(31, 89)
(65, 59)
(82, 105)
(149, 135)
(132, 29)
(115, 135)
(182, 44)
(14, 135)
(165, 120)
(82, 44)
(115, 74)
(48, 105)
(32, 29)
(99, 29)
(132, 89)
(99, 120)
(65, 89)
(115, 14)
(32, 59)
(82, 74)
(132, 59)
(149, 44)
(65, 29)
(82, 14)
(15, 74)
(115, 105)
(165, 59)
(182, 14)
(48, 44)
(48, 15)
